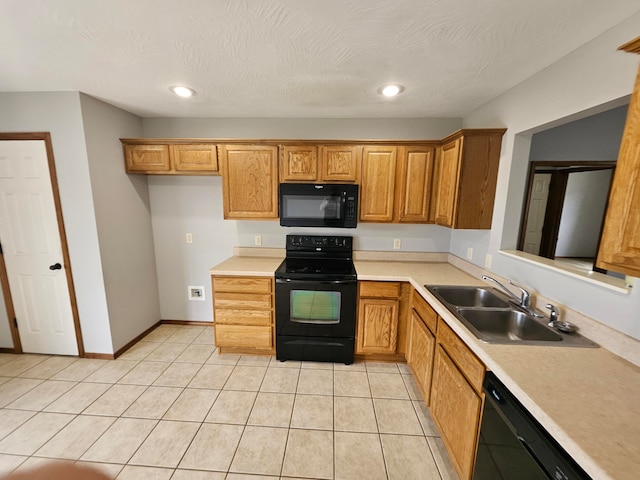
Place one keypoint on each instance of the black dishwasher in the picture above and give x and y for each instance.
(513, 445)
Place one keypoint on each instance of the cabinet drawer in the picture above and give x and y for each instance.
(238, 336)
(380, 289)
(242, 300)
(242, 284)
(232, 316)
(424, 310)
(469, 364)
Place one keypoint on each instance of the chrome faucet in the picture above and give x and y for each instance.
(525, 297)
(554, 315)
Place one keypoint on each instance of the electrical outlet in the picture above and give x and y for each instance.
(189, 238)
(397, 243)
(487, 261)
(469, 253)
(195, 293)
(258, 240)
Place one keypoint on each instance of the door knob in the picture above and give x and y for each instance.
(55, 266)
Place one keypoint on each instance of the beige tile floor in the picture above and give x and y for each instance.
(171, 407)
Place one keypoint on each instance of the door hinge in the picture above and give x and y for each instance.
(15, 322)
(0, 249)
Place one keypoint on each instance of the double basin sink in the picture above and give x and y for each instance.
(492, 317)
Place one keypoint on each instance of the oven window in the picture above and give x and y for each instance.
(309, 206)
(309, 306)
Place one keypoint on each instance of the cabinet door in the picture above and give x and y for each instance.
(422, 346)
(377, 325)
(448, 185)
(620, 243)
(377, 189)
(339, 163)
(194, 158)
(298, 163)
(415, 168)
(147, 158)
(456, 409)
(249, 181)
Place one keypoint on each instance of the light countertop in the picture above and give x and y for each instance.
(587, 398)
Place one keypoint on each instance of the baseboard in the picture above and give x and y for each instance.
(7, 350)
(186, 322)
(99, 356)
(120, 351)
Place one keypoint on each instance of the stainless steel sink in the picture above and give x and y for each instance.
(507, 325)
(493, 318)
(469, 296)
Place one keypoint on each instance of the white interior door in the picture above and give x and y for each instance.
(537, 210)
(31, 245)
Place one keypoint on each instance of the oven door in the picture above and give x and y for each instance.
(316, 308)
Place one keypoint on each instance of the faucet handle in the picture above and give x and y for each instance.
(554, 314)
(525, 298)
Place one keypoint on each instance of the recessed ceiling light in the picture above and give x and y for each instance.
(182, 91)
(391, 90)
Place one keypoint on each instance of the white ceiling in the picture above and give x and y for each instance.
(292, 58)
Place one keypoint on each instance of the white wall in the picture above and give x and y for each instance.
(593, 78)
(181, 205)
(584, 203)
(123, 218)
(59, 113)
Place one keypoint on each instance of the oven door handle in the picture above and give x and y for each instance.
(316, 282)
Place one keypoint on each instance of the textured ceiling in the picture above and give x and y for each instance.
(292, 58)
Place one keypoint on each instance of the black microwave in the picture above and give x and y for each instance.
(318, 205)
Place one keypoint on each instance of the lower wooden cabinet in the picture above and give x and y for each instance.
(422, 329)
(243, 314)
(378, 317)
(456, 398)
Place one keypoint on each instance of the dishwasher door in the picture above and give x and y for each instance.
(513, 445)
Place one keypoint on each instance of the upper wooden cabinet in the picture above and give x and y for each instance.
(378, 183)
(620, 242)
(170, 158)
(319, 163)
(249, 181)
(339, 163)
(468, 172)
(298, 163)
(396, 183)
(414, 184)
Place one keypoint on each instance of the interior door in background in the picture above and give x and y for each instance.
(537, 209)
(32, 250)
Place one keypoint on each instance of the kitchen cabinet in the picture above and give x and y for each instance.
(396, 183)
(468, 172)
(422, 341)
(298, 163)
(378, 317)
(319, 163)
(243, 314)
(339, 163)
(378, 183)
(620, 242)
(170, 158)
(249, 181)
(456, 398)
(414, 183)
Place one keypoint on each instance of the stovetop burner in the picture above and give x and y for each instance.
(318, 257)
(300, 268)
